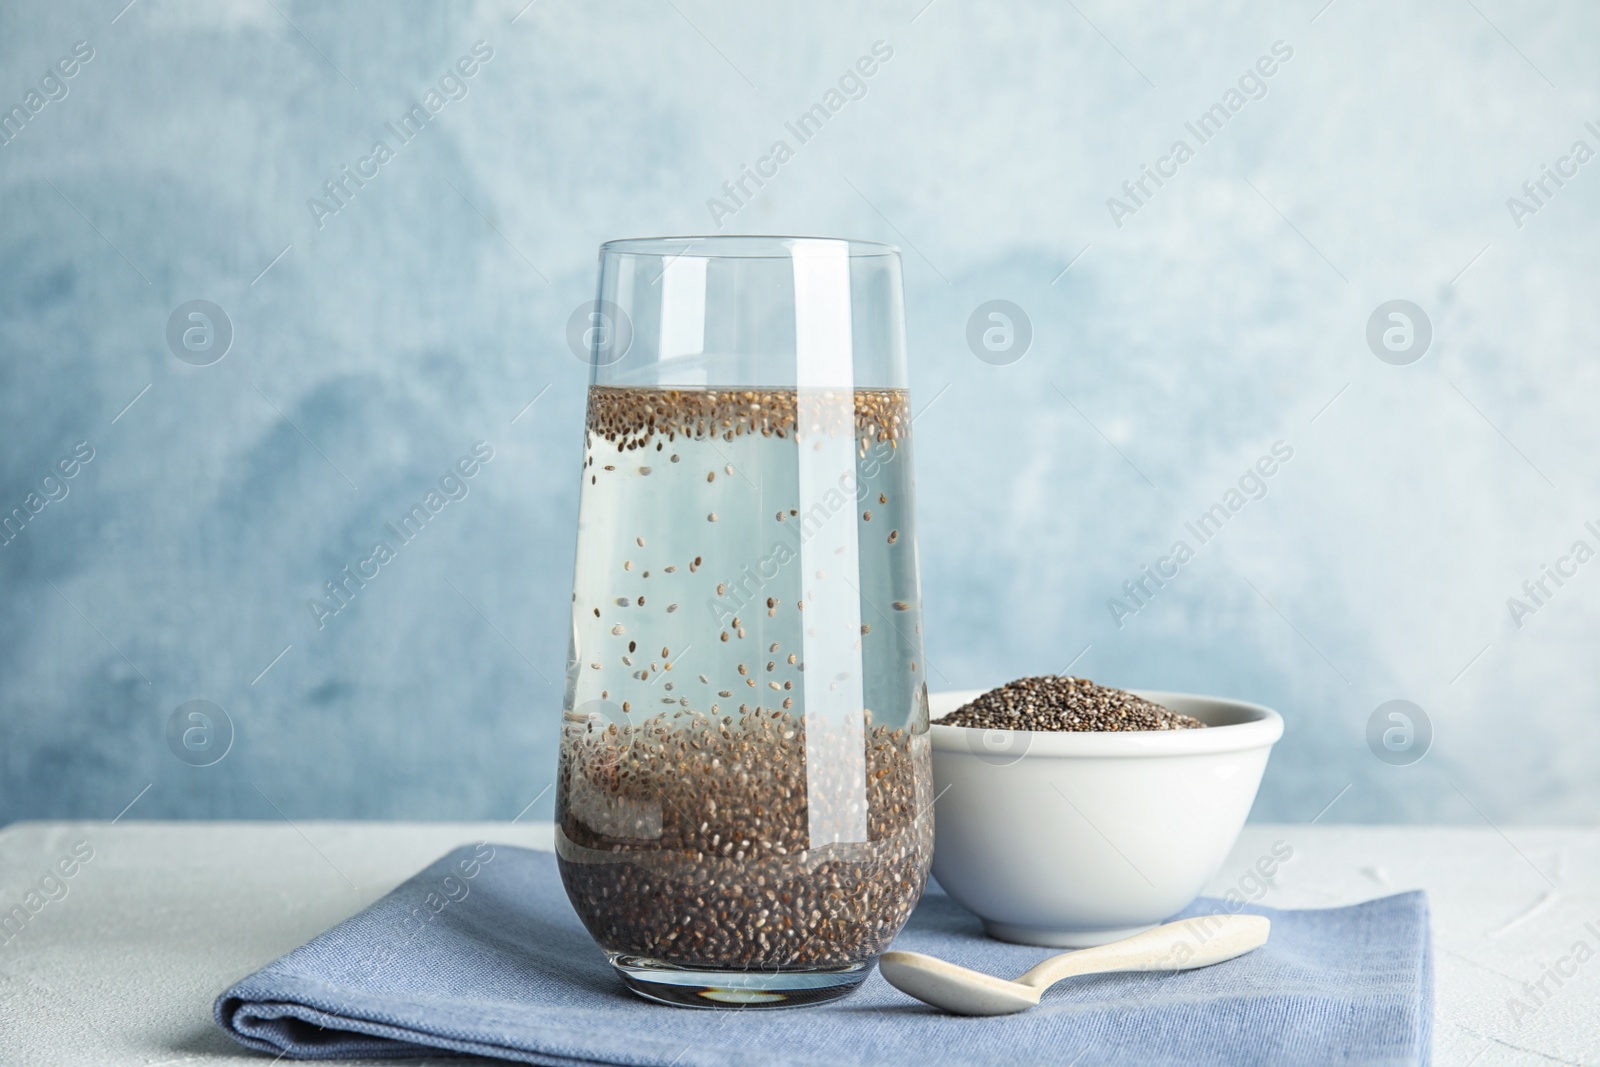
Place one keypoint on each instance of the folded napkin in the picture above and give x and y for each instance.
(481, 953)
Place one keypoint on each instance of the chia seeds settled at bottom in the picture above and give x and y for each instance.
(685, 838)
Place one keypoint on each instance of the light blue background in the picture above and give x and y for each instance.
(1224, 316)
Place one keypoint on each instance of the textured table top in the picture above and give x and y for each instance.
(121, 960)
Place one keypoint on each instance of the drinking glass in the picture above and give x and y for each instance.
(743, 807)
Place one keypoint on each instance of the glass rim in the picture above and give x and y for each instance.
(736, 246)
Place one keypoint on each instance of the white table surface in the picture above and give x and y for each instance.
(122, 970)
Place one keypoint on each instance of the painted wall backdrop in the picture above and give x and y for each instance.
(1201, 216)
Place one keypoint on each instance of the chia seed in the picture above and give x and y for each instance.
(1062, 702)
(685, 838)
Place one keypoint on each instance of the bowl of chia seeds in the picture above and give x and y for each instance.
(1072, 814)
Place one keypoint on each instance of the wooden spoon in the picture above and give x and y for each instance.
(1179, 946)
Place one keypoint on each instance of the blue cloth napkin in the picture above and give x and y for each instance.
(481, 953)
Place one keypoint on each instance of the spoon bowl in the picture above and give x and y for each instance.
(1178, 946)
(958, 990)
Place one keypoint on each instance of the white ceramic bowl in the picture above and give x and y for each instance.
(1075, 839)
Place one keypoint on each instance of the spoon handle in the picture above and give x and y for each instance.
(1178, 946)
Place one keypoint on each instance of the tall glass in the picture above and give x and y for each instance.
(743, 815)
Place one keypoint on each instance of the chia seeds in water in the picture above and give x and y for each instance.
(1062, 702)
(725, 799)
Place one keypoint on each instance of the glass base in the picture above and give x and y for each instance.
(689, 987)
